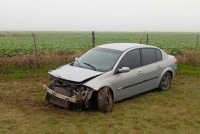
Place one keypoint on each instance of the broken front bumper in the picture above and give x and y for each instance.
(60, 96)
(77, 97)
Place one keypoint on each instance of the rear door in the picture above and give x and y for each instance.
(152, 67)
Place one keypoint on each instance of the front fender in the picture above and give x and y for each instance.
(105, 84)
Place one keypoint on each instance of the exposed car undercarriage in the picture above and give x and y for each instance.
(67, 93)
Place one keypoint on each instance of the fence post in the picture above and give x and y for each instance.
(197, 42)
(147, 39)
(36, 51)
(93, 39)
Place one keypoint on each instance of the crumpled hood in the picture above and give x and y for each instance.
(72, 73)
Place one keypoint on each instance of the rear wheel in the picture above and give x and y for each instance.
(105, 100)
(165, 81)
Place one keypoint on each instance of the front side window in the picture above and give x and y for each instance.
(148, 56)
(132, 60)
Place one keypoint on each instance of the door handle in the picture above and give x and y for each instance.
(159, 66)
(140, 72)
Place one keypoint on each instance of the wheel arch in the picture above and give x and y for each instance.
(170, 73)
(102, 85)
(167, 69)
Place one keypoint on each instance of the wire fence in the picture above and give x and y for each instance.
(17, 43)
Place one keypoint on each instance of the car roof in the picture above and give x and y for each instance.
(123, 46)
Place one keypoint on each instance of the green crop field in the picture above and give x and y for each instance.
(15, 43)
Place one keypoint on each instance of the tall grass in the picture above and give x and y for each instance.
(22, 66)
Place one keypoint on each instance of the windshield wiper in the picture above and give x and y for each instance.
(94, 68)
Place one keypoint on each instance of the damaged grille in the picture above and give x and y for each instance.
(64, 92)
(58, 101)
(73, 89)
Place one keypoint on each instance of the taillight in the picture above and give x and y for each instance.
(175, 60)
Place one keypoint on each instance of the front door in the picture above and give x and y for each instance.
(129, 83)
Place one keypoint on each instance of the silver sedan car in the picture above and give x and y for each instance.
(109, 73)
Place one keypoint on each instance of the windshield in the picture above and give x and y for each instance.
(98, 59)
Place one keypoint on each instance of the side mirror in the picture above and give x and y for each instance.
(76, 59)
(124, 70)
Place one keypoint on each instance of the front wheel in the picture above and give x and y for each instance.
(165, 81)
(105, 100)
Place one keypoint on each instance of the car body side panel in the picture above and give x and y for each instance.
(171, 64)
(134, 84)
(106, 84)
(151, 75)
(128, 84)
(157, 70)
(168, 66)
(102, 81)
(160, 77)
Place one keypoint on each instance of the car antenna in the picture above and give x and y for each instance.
(142, 36)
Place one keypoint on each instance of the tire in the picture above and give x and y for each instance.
(165, 82)
(105, 100)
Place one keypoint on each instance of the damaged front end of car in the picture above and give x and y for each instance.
(66, 93)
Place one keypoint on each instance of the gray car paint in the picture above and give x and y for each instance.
(122, 84)
(115, 82)
(72, 73)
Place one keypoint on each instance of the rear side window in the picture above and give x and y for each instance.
(132, 60)
(148, 56)
(158, 55)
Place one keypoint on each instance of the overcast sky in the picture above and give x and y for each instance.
(100, 15)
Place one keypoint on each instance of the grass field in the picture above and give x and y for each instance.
(14, 43)
(24, 110)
